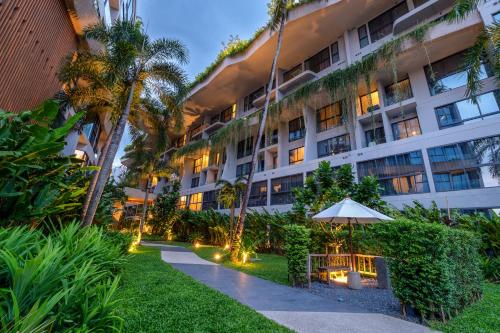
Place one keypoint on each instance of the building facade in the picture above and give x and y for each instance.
(412, 127)
(36, 36)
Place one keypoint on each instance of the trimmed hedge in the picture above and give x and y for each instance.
(434, 268)
(297, 241)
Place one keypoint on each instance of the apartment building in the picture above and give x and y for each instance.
(414, 129)
(36, 37)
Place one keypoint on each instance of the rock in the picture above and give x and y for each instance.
(354, 280)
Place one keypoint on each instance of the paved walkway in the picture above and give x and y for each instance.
(291, 307)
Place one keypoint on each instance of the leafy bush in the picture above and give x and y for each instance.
(297, 240)
(63, 282)
(434, 268)
(37, 184)
(195, 237)
(165, 212)
(123, 240)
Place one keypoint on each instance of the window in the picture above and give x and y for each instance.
(319, 61)
(466, 165)
(248, 101)
(418, 3)
(448, 73)
(182, 202)
(258, 194)
(210, 200)
(397, 174)
(197, 165)
(282, 189)
(332, 146)
(261, 163)
(291, 73)
(195, 201)
(406, 128)
(228, 114)
(329, 117)
(335, 52)
(195, 182)
(466, 111)
(369, 102)
(398, 92)
(194, 131)
(363, 36)
(375, 137)
(243, 169)
(296, 129)
(296, 156)
(92, 131)
(381, 26)
(496, 17)
(215, 119)
(245, 147)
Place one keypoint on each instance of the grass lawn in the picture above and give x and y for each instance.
(482, 317)
(157, 298)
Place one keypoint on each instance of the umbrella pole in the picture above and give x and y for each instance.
(350, 245)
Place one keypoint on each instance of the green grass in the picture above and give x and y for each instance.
(481, 317)
(157, 298)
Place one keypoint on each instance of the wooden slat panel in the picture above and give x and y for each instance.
(35, 36)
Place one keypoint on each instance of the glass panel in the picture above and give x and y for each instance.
(406, 129)
(381, 26)
(296, 129)
(363, 36)
(328, 117)
(332, 146)
(319, 61)
(376, 136)
(398, 92)
(335, 52)
(296, 156)
(293, 72)
(369, 102)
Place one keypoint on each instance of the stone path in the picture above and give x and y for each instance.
(292, 307)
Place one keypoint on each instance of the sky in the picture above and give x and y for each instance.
(202, 26)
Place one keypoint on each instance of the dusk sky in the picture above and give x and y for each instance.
(202, 26)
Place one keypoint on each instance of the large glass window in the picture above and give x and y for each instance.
(335, 52)
(195, 182)
(197, 165)
(296, 129)
(332, 146)
(406, 128)
(363, 36)
(282, 189)
(243, 169)
(319, 61)
(292, 72)
(397, 174)
(381, 26)
(449, 73)
(248, 101)
(258, 194)
(466, 165)
(210, 200)
(296, 156)
(496, 17)
(245, 147)
(92, 131)
(369, 102)
(195, 201)
(182, 202)
(375, 136)
(466, 111)
(228, 114)
(329, 116)
(398, 92)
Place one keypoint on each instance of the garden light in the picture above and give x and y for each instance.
(217, 256)
(245, 255)
(226, 247)
(196, 245)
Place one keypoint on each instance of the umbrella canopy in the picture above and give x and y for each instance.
(349, 210)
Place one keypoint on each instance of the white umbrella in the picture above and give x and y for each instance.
(347, 211)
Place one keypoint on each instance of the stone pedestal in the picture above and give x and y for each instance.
(354, 280)
(383, 278)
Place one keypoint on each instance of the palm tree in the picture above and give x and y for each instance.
(229, 194)
(138, 65)
(278, 10)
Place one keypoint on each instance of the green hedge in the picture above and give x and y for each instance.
(297, 241)
(434, 268)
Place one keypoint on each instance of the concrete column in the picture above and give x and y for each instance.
(229, 171)
(359, 136)
(387, 127)
(71, 143)
(310, 146)
(348, 48)
(203, 177)
(422, 95)
(188, 174)
(428, 171)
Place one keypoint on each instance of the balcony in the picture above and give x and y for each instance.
(297, 81)
(259, 102)
(420, 14)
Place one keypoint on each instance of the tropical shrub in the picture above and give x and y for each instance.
(113, 193)
(63, 282)
(120, 239)
(434, 268)
(297, 240)
(37, 184)
(165, 212)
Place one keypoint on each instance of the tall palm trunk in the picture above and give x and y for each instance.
(145, 207)
(231, 224)
(95, 175)
(235, 246)
(107, 164)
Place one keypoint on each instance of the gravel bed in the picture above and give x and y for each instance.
(370, 298)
